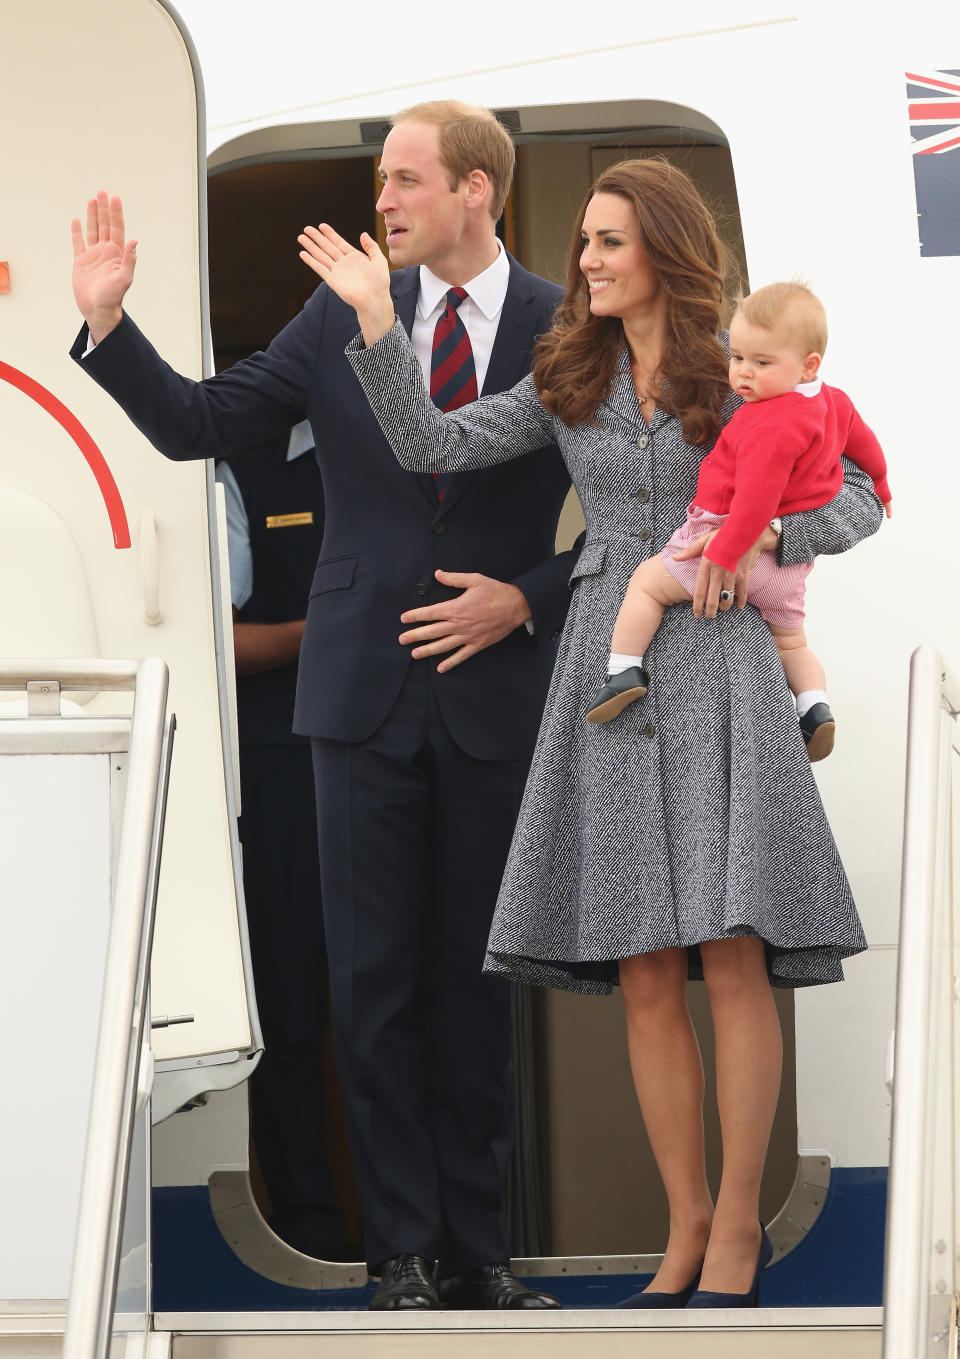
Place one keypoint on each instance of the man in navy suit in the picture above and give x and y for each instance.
(429, 641)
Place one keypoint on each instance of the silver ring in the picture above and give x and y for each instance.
(725, 595)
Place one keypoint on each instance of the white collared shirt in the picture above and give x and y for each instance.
(479, 311)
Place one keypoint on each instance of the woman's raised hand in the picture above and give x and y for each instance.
(360, 277)
(103, 264)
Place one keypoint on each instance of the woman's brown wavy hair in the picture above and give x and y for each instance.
(575, 364)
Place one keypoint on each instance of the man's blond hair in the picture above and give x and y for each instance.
(789, 306)
(471, 138)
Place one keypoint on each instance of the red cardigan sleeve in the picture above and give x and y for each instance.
(863, 447)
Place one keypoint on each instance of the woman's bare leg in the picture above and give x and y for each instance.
(668, 1076)
(749, 1049)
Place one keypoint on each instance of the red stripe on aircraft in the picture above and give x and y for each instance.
(95, 459)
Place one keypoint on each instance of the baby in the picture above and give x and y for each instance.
(779, 454)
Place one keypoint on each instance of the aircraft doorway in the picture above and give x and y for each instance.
(595, 1189)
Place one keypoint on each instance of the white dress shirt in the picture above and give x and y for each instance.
(479, 311)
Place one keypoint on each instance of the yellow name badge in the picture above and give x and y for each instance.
(289, 520)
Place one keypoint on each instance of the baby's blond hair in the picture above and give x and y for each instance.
(788, 306)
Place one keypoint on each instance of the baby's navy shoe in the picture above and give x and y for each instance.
(818, 726)
(617, 692)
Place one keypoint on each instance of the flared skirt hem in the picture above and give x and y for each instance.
(787, 968)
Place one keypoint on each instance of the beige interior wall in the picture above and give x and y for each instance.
(605, 1193)
(549, 188)
(552, 179)
(550, 183)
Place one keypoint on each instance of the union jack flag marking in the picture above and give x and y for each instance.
(933, 111)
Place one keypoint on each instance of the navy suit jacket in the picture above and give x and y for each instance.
(385, 530)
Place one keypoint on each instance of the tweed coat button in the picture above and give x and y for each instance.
(643, 535)
(643, 440)
(421, 588)
(643, 494)
(649, 730)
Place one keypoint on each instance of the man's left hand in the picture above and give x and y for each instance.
(484, 614)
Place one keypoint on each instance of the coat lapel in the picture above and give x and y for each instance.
(515, 333)
(405, 289)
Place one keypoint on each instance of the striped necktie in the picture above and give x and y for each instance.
(453, 377)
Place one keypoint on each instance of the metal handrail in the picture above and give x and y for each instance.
(99, 674)
(934, 695)
(120, 1036)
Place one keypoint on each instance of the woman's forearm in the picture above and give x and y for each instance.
(853, 514)
(482, 434)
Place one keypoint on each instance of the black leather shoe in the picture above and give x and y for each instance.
(406, 1281)
(818, 728)
(488, 1288)
(617, 692)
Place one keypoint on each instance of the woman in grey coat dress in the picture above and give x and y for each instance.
(688, 837)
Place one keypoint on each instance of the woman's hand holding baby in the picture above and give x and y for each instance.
(360, 277)
(713, 581)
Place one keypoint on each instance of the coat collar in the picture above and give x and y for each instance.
(622, 401)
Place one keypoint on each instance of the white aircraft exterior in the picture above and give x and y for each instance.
(807, 122)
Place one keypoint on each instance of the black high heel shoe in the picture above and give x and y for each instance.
(749, 1299)
(663, 1300)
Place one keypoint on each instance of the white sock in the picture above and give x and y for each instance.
(618, 663)
(808, 698)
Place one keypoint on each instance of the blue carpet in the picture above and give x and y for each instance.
(839, 1264)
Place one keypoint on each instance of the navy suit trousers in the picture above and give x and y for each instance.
(413, 839)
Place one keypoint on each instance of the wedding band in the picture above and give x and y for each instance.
(725, 595)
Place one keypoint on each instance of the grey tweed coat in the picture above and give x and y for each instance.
(694, 815)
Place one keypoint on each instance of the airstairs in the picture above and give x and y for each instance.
(828, 1333)
(125, 760)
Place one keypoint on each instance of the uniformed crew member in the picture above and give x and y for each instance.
(274, 501)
